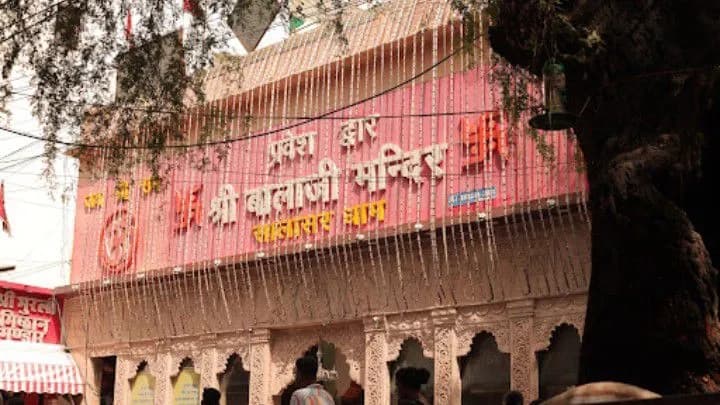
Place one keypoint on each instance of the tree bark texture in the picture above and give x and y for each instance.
(641, 75)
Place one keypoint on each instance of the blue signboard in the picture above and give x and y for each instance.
(473, 196)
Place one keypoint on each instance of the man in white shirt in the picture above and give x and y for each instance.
(306, 369)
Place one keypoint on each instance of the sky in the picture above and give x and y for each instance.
(41, 219)
(41, 222)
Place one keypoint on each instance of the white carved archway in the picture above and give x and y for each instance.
(418, 326)
(286, 347)
(544, 328)
(500, 331)
(180, 351)
(177, 362)
(224, 354)
(138, 363)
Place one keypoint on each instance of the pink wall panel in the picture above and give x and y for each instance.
(144, 232)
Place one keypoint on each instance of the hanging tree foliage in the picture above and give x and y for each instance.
(72, 50)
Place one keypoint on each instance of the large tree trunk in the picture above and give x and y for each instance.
(652, 316)
(651, 157)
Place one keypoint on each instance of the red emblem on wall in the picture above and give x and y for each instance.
(118, 242)
(483, 136)
(188, 209)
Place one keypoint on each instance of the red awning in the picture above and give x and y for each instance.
(39, 368)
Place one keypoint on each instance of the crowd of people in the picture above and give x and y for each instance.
(307, 390)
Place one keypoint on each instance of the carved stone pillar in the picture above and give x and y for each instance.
(90, 375)
(523, 367)
(208, 354)
(260, 368)
(447, 384)
(123, 372)
(377, 378)
(164, 370)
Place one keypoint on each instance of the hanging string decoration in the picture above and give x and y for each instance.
(326, 179)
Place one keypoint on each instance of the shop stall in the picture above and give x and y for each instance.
(35, 369)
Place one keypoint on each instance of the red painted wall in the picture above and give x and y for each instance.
(29, 314)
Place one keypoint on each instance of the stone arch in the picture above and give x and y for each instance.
(335, 365)
(499, 332)
(563, 325)
(233, 359)
(287, 346)
(186, 362)
(234, 382)
(412, 354)
(181, 352)
(187, 376)
(396, 342)
(143, 365)
(544, 328)
(142, 382)
(484, 371)
(558, 363)
(418, 326)
(224, 354)
(350, 341)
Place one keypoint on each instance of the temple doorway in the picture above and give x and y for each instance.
(234, 383)
(485, 372)
(558, 365)
(411, 355)
(333, 374)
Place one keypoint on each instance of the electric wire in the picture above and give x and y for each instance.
(251, 136)
(25, 28)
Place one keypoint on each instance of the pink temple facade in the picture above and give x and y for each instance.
(432, 154)
(368, 205)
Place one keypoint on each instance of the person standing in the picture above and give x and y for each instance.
(311, 393)
(354, 395)
(210, 396)
(513, 398)
(287, 393)
(409, 380)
